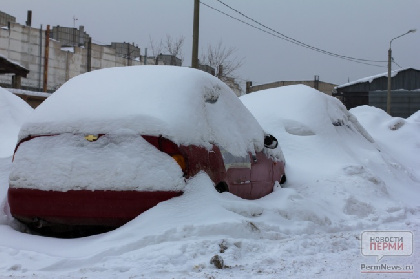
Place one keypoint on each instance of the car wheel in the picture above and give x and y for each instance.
(283, 179)
(222, 187)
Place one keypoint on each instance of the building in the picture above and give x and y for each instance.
(168, 59)
(12, 68)
(127, 50)
(54, 56)
(70, 36)
(324, 87)
(6, 19)
(373, 91)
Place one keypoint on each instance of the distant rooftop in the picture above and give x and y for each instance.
(371, 78)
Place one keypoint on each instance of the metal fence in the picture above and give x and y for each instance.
(403, 102)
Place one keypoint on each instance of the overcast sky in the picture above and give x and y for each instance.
(353, 28)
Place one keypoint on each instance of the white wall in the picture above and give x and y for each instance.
(21, 44)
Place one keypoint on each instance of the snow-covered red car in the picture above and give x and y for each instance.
(110, 144)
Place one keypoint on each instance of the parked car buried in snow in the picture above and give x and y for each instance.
(110, 144)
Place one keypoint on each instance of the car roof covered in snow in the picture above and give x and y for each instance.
(186, 105)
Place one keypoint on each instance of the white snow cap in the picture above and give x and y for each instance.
(185, 105)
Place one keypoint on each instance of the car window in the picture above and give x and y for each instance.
(232, 161)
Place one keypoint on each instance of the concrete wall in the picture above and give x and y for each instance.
(5, 19)
(21, 44)
(26, 46)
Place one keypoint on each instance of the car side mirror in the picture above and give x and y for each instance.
(270, 141)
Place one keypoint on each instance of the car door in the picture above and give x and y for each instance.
(238, 173)
(261, 175)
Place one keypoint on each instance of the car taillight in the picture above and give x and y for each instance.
(172, 149)
(169, 148)
(181, 161)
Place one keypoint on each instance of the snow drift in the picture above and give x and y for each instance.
(13, 112)
(340, 183)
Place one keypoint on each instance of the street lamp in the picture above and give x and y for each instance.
(388, 101)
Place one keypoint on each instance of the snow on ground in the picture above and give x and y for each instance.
(13, 112)
(342, 181)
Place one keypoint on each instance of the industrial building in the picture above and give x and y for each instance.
(372, 91)
(42, 59)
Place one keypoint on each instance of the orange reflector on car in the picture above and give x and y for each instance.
(91, 138)
(181, 161)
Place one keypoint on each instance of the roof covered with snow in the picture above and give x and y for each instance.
(12, 67)
(28, 92)
(372, 78)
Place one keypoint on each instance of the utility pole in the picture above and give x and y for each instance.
(89, 56)
(388, 98)
(196, 20)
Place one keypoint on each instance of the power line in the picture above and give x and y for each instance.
(395, 62)
(296, 41)
(289, 39)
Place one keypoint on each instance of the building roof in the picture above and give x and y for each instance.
(10, 67)
(372, 78)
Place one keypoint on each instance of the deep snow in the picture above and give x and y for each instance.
(342, 181)
(149, 100)
(13, 112)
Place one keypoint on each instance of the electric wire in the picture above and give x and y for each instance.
(282, 36)
(296, 41)
(395, 62)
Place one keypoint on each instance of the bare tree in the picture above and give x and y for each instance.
(156, 48)
(170, 46)
(174, 46)
(223, 56)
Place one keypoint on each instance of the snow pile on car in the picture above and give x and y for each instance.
(70, 162)
(393, 134)
(185, 105)
(13, 112)
(319, 137)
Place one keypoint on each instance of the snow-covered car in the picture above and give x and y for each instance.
(110, 144)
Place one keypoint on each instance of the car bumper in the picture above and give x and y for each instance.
(82, 207)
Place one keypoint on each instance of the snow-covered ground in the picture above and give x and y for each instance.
(13, 112)
(347, 173)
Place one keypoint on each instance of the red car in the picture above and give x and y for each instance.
(111, 144)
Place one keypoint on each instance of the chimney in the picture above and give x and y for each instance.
(81, 35)
(29, 18)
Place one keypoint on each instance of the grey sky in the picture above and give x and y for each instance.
(356, 28)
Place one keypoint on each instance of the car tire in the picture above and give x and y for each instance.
(222, 187)
(283, 179)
